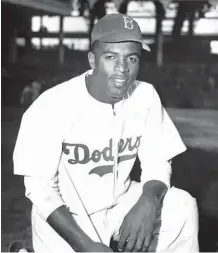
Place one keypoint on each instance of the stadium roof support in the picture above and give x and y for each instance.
(49, 6)
(61, 45)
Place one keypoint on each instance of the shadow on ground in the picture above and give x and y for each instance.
(195, 170)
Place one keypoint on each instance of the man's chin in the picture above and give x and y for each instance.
(117, 97)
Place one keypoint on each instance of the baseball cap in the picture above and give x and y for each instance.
(117, 27)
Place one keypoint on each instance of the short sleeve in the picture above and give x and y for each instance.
(37, 155)
(160, 143)
(39, 142)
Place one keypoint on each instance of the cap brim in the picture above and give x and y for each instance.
(145, 46)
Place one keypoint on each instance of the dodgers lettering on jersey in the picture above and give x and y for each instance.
(80, 154)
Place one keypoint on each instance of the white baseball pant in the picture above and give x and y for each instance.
(178, 231)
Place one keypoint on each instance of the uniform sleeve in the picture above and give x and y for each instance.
(37, 154)
(160, 143)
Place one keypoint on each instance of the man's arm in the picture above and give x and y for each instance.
(155, 190)
(65, 225)
(155, 152)
(45, 196)
(36, 157)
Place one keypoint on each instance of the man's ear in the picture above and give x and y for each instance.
(91, 58)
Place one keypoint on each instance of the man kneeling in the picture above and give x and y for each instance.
(89, 131)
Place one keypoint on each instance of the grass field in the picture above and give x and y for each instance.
(196, 171)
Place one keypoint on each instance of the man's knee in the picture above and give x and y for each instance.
(179, 197)
(179, 205)
(179, 222)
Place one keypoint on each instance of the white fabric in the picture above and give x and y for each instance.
(67, 139)
(178, 232)
(67, 129)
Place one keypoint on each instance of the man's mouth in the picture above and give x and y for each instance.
(119, 81)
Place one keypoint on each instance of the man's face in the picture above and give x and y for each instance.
(116, 68)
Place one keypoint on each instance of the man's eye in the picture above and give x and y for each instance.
(133, 59)
(110, 57)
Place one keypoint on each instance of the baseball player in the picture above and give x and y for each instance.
(89, 131)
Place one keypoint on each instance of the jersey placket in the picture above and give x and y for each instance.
(118, 112)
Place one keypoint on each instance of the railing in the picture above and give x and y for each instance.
(49, 6)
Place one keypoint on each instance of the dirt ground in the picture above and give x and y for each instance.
(196, 171)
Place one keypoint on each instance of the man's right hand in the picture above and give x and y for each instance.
(98, 247)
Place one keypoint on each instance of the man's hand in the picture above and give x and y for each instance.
(97, 247)
(137, 227)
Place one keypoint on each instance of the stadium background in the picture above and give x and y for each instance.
(183, 66)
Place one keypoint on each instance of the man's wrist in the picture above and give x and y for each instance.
(65, 225)
(80, 242)
(154, 190)
(83, 243)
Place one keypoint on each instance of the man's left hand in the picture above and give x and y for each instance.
(137, 227)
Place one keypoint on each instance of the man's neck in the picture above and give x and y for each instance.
(98, 94)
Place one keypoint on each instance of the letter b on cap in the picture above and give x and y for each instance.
(128, 23)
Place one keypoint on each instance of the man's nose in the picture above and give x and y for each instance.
(122, 66)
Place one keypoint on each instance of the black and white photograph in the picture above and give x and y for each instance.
(109, 118)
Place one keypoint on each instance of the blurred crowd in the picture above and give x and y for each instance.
(180, 85)
(30, 93)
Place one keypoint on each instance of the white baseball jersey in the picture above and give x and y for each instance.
(68, 136)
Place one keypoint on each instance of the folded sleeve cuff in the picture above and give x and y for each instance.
(44, 195)
(157, 171)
